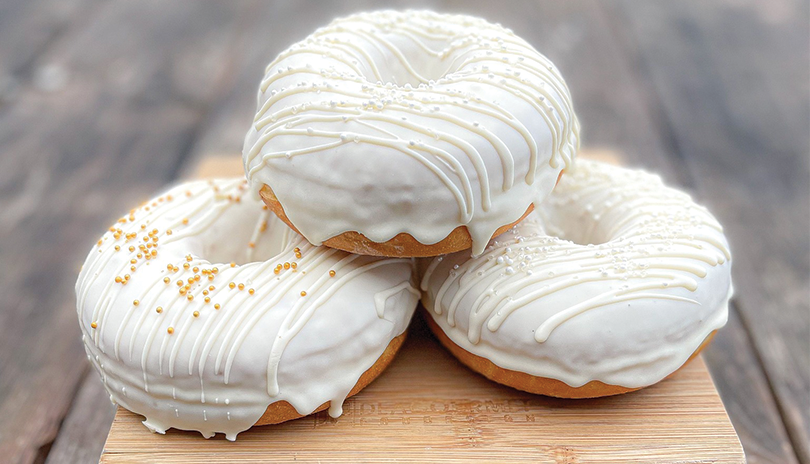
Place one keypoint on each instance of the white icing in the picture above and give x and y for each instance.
(417, 122)
(639, 277)
(219, 370)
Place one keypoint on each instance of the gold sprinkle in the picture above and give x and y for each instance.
(217, 306)
(251, 245)
(136, 303)
(196, 269)
(208, 299)
(118, 279)
(94, 324)
(303, 293)
(186, 266)
(332, 273)
(232, 264)
(117, 248)
(241, 286)
(294, 265)
(286, 265)
(159, 309)
(185, 220)
(166, 280)
(231, 285)
(251, 291)
(190, 297)
(211, 288)
(170, 330)
(196, 314)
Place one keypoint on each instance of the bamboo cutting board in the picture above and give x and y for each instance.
(427, 407)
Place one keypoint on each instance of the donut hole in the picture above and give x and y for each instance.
(393, 57)
(244, 245)
(580, 229)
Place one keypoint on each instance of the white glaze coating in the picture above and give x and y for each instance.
(417, 122)
(643, 277)
(227, 359)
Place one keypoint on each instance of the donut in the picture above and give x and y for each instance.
(611, 285)
(202, 311)
(409, 134)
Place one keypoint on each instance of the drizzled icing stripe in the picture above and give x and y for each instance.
(187, 337)
(463, 111)
(616, 278)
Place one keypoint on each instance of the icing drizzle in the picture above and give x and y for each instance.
(460, 110)
(634, 271)
(201, 345)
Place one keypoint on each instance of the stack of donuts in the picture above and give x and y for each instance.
(396, 157)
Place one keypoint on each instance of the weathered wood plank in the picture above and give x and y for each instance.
(19, 47)
(90, 417)
(74, 158)
(733, 80)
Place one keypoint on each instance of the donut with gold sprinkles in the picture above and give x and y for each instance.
(203, 311)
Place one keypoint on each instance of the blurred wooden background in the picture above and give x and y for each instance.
(102, 103)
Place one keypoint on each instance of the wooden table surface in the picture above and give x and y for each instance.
(102, 103)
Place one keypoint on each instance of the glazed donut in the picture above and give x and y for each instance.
(409, 133)
(609, 286)
(192, 343)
